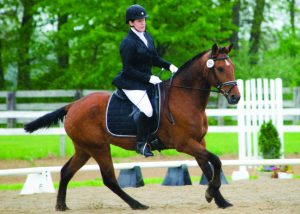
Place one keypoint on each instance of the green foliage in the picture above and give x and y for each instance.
(272, 63)
(94, 30)
(269, 142)
(91, 35)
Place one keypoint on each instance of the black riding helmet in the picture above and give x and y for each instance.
(135, 12)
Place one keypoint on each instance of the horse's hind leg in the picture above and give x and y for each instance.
(67, 172)
(104, 160)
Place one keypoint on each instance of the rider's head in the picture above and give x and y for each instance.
(135, 12)
(136, 17)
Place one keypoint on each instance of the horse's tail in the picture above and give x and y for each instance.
(47, 120)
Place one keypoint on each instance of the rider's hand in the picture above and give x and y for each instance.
(154, 79)
(173, 68)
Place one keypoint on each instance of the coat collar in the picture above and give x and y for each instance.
(132, 34)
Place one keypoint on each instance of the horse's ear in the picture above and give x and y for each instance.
(214, 49)
(228, 48)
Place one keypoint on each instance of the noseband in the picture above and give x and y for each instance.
(220, 85)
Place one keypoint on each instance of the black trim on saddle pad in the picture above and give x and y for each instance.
(122, 115)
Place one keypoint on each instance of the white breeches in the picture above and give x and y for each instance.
(141, 100)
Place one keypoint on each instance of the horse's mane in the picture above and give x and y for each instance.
(188, 63)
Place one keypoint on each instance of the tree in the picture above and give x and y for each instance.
(2, 82)
(8, 38)
(269, 142)
(25, 33)
(72, 44)
(236, 21)
(94, 39)
(62, 46)
(255, 33)
(292, 8)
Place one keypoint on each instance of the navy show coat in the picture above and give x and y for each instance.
(137, 60)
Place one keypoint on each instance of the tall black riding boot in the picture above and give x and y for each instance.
(142, 146)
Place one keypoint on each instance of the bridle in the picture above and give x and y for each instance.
(220, 85)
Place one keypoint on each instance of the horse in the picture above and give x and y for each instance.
(183, 124)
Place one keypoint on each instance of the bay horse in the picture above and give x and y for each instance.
(187, 97)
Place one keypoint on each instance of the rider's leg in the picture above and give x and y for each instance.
(140, 99)
(142, 146)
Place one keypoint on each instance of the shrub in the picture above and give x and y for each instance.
(269, 142)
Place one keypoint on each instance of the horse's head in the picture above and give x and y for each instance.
(221, 73)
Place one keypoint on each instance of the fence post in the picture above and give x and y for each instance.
(222, 103)
(78, 94)
(10, 106)
(296, 101)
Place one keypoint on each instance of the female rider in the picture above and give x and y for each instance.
(138, 55)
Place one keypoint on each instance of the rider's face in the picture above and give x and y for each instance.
(139, 24)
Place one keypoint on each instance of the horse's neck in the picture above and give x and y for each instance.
(197, 86)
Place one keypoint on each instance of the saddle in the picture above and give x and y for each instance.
(122, 115)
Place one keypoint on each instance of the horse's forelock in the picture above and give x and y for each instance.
(222, 50)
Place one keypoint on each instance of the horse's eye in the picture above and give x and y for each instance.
(221, 69)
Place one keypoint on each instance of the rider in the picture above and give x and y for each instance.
(138, 55)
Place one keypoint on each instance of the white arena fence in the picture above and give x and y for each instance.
(261, 102)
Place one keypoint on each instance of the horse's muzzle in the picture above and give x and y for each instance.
(233, 99)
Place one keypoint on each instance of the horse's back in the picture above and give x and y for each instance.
(86, 116)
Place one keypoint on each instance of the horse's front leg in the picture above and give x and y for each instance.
(213, 176)
(203, 158)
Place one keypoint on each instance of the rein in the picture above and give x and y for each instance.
(191, 88)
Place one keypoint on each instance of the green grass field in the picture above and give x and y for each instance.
(33, 147)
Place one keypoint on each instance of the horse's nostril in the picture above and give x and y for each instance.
(234, 98)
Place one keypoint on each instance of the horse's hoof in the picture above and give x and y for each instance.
(143, 207)
(208, 197)
(221, 202)
(139, 206)
(61, 207)
(225, 205)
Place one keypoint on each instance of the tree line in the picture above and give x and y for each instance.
(67, 44)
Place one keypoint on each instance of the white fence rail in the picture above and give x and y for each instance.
(157, 164)
(60, 131)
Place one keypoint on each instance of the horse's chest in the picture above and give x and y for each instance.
(202, 124)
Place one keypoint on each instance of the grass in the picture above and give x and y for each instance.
(32, 147)
(292, 143)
